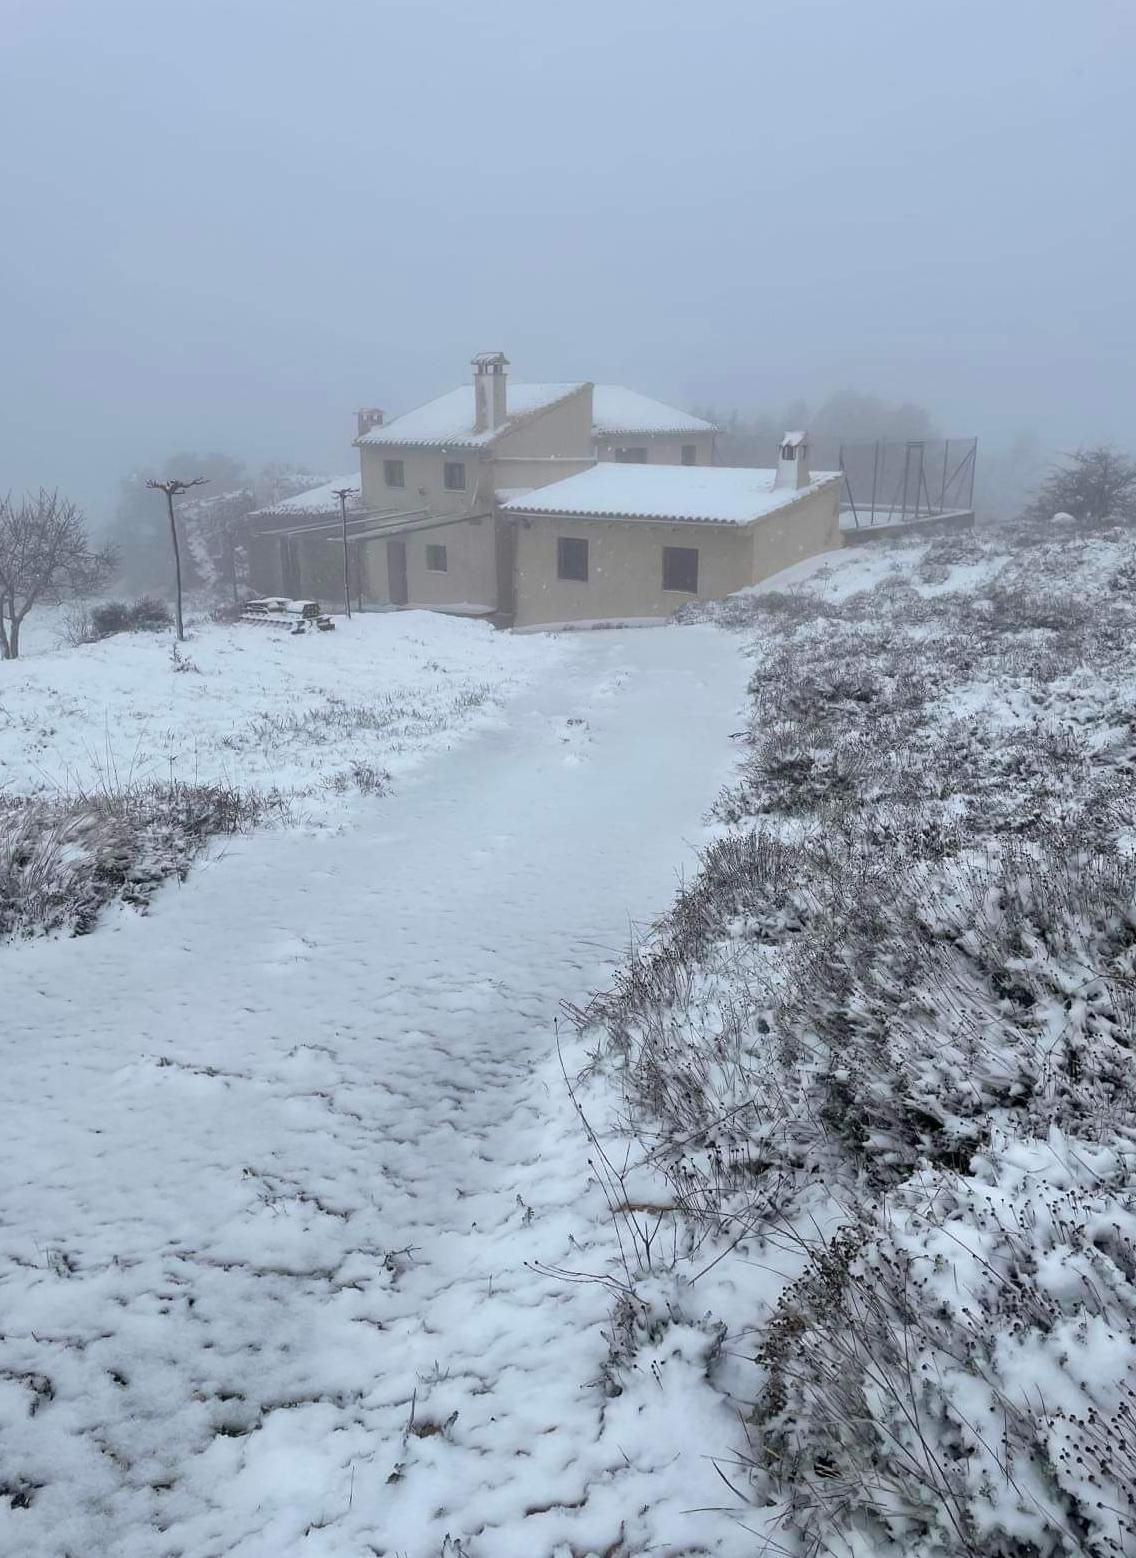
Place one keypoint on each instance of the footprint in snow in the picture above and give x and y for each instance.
(575, 734)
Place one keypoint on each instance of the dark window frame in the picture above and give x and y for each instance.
(393, 468)
(451, 482)
(568, 562)
(633, 454)
(677, 566)
(433, 548)
(692, 451)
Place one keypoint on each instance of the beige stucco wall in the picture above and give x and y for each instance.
(564, 429)
(625, 568)
(802, 529)
(625, 560)
(665, 450)
(545, 448)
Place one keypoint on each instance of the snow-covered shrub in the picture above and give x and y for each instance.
(113, 616)
(147, 614)
(885, 1042)
(954, 1372)
(64, 859)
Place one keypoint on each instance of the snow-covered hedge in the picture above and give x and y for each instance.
(884, 1044)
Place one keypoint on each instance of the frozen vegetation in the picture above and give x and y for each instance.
(120, 760)
(874, 1138)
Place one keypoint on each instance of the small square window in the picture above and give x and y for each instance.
(435, 559)
(680, 568)
(394, 473)
(572, 559)
(455, 476)
(636, 456)
(690, 454)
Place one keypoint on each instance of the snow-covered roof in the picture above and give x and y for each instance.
(793, 440)
(709, 494)
(318, 500)
(449, 420)
(617, 410)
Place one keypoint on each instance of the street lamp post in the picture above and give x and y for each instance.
(343, 493)
(172, 489)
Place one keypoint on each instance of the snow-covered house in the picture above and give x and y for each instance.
(425, 529)
(472, 503)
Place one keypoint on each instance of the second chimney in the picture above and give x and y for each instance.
(368, 418)
(793, 462)
(489, 380)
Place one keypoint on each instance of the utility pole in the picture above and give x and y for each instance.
(172, 489)
(343, 493)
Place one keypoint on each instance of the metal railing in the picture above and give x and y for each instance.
(901, 483)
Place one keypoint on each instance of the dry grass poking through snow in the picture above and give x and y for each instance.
(881, 1054)
(120, 760)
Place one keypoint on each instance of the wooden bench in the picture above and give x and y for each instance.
(298, 616)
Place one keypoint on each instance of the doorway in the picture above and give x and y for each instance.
(396, 573)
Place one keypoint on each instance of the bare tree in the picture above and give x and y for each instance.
(171, 488)
(45, 555)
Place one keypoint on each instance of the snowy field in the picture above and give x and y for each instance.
(251, 705)
(295, 1204)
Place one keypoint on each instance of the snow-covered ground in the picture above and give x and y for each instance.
(290, 1178)
(874, 1074)
(254, 705)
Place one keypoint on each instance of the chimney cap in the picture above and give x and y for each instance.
(794, 440)
(485, 360)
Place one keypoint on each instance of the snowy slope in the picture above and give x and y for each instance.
(287, 1161)
(874, 1074)
(260, 707)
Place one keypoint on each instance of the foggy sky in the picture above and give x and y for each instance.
(227, 223)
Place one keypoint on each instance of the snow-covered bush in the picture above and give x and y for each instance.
(64, 858)
(885, 1041)
(147, 614)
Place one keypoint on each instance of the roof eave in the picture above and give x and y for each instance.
(649, 432)
(651, 519)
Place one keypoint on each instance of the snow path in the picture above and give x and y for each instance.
(268, 1158)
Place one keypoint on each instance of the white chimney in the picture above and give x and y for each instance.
(793, 462)
(368, 418)
(489, 379)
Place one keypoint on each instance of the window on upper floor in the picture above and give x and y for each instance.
(680, 568)
(435, 559)
(454, 476)
(572, 559)
(690, 454)
(394, 473)
(636, 456)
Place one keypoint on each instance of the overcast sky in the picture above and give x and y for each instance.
(227, 223)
